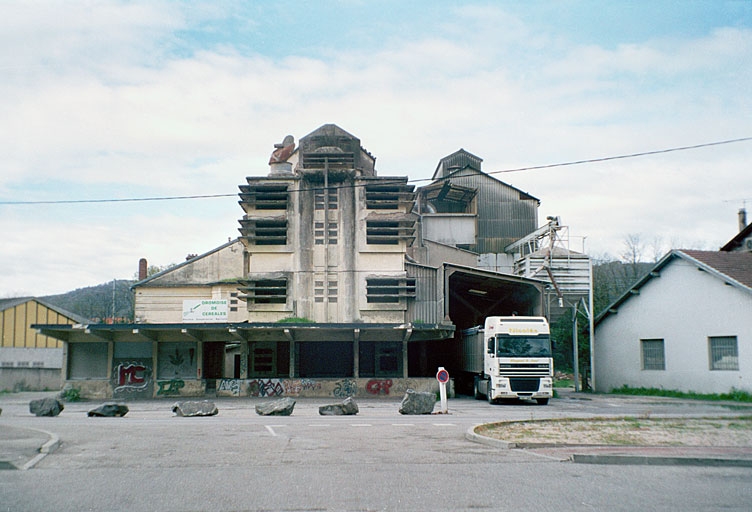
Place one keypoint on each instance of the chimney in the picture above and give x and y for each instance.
(142, 269)
(742, 219)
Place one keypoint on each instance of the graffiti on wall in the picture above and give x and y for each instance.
(231, 385)
(170, 387)
(281, 387)
(295, 387)
(266, 387)
(379, 386)
(345, 388)
(131, 377)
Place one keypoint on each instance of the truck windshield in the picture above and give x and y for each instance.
(523, 346)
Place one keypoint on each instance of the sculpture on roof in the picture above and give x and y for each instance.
(282, 150)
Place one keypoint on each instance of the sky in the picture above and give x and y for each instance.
(103, 100)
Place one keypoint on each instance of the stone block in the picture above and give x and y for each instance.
(195, 408)
(281, 407)
(348, 407)
(109, 410)
(46, 407)
(417, 402)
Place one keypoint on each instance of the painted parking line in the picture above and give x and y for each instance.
(444, 425)
(271, 430)
(360, 425)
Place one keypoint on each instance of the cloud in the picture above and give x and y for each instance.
(126, 100)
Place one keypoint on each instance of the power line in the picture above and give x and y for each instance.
(503, 171)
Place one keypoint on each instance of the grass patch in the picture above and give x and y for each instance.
(734, 395)
(731, 431)
(564, 383)
(294, 320)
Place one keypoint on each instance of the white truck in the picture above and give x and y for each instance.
(509, 357)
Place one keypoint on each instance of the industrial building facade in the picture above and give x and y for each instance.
(341, 283)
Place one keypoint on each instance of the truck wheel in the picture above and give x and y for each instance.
(542, 401)
(476, 392)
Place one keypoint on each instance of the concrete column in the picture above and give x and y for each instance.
(356, 353)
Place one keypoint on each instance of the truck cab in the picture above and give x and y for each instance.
(518, 361)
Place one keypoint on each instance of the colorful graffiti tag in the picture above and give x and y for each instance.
(379, 387)
(131, 377)
(295, 387)
(231, 385)
(266, 387)
(345, 388)
(170, 387)
(281, 387)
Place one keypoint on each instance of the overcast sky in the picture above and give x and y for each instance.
(117, 100)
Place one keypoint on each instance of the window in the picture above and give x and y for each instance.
(389, 290)
(653, 356)
(320, 200)
(264, 231)
(87, 360)
(177, 360)
(390, 232)
(264, 197)
(271, 232)
(382, 232)
(268, 291)
(331, 291)
(331, 234)
(724, 353)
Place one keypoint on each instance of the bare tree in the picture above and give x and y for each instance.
(633, 248)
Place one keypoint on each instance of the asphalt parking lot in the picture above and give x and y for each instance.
(25, 439)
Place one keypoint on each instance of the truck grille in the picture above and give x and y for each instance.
(524, 370)
(524, 384)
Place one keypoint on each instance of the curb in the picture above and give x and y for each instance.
(470, 435)
(646, 460)
(614, 459)
(47, 448)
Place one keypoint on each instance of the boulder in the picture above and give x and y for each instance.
(417, 402)
(195, 408)
(109, 410)
(348, 407)
(46, 407)
(281, 407)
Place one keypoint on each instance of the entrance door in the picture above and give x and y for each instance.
(214, 355)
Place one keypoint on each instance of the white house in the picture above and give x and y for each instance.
(686, 326)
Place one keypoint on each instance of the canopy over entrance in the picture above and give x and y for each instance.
(475, 294)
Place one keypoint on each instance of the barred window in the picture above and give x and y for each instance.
(724, 353)
(653, 355)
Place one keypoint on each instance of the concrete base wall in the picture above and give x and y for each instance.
(30, 379)
(327, 388)
(304, 388)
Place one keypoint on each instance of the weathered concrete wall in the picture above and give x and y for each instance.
(104, 389)
(261, 387)
(30, 379)
(91, 389)
(328, 388)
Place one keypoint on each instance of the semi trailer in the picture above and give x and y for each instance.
(509, 357)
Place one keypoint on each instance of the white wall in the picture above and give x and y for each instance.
(684, 306)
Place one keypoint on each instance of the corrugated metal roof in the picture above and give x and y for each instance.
(17, 301)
